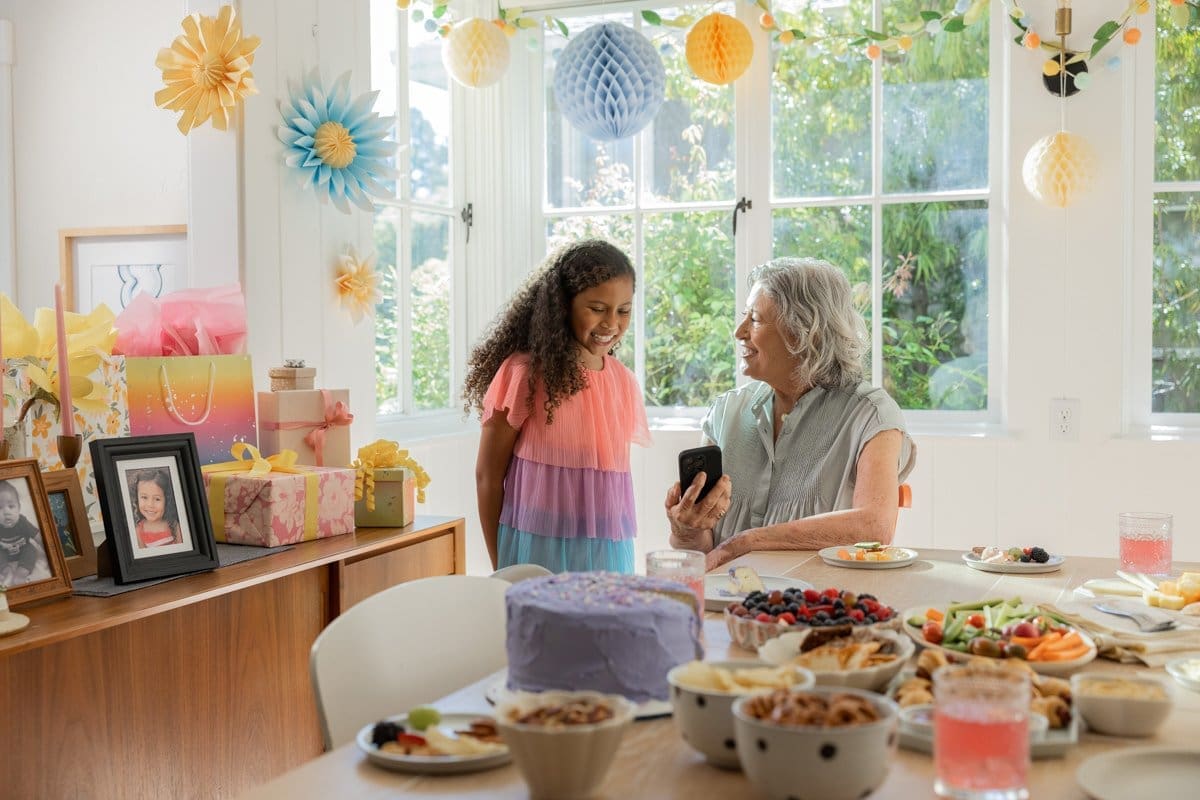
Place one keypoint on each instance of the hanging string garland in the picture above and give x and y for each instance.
(475, 53)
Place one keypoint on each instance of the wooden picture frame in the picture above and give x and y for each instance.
(155, 506)
(111, 265)
(31, 559)
(70, 517)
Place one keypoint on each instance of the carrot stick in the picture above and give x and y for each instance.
(1028, 642)
(934, 615)
(1068, 642)
(1047, 640)
(1064, 655)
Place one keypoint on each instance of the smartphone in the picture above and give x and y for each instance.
(705, 459)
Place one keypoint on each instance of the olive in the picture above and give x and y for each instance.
(1012, 650)
(983, 646)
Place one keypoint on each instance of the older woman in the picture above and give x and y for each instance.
(813, 455)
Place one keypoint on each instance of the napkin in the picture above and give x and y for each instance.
(1119, 639)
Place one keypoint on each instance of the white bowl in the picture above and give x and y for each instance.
(568, 762)
(783, 649)
(810, 763)
(1122, 716)
(705, 716)
(1185, 672)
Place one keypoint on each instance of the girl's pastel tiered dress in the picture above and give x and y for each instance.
(568, 493)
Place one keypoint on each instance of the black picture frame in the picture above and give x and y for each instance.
(170, 462)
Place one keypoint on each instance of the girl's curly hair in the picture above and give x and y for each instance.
(537, 321)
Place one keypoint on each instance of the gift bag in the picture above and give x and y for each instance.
(211, 396)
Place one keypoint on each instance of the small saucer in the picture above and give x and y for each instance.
(11, 623)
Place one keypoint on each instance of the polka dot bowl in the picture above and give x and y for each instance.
(805, 762)
(704, 716)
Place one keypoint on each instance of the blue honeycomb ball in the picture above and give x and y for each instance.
(609, 82)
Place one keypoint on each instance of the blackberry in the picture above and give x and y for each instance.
(1039, 555)
(1026, 559)
(385, 732)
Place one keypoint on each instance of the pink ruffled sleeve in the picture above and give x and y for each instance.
(640, 428)
(509, 390)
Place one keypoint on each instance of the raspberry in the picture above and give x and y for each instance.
(765, 618)
(787, 617)
(812, 596)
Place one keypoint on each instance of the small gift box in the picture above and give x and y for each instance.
(395, 500)
(315, 424)
(273, 501)
(292, 376)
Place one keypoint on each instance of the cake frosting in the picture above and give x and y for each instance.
(602, 631)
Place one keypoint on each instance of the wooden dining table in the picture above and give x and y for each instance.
(654, 762)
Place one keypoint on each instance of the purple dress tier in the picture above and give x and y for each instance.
(612, 633)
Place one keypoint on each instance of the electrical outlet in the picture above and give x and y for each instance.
(1064, 419)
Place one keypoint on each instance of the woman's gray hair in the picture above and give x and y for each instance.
(821, 328)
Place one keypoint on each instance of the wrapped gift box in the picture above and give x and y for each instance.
(395, 500)
(314, 423)
(281, 507)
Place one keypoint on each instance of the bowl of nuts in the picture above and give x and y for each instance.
(563, 742)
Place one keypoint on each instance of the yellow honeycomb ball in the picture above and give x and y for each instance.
(1059, 168)
(719, 49)
(786, 37)
(475, 53)
(905, 42)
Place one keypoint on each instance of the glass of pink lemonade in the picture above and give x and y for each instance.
(683, 566)
(981, 733)
(1145, 541)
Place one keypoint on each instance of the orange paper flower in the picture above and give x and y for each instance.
(358, 284)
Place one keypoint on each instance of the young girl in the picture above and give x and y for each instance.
(156, 522)
(558, 413)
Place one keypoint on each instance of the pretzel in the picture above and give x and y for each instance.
(805, 709)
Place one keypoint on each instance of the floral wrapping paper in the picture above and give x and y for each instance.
(271, 510)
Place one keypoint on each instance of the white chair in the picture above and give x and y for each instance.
(519, 572)
(403, 647)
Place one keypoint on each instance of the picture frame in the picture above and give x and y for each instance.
(112, 265)
(155, 506)
(31, 560)
(65, 497)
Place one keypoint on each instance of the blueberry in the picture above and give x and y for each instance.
(872, 618)
(777, 609)
(793, 608)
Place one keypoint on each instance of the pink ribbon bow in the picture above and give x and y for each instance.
(336, 413)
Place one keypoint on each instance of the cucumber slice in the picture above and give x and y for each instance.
(869, 545)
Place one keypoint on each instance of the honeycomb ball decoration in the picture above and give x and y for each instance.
(609, 82)
(719, 49)
(1059, 168)
(475, 53)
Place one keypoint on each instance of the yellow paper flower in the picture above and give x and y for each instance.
(381, 454)
(357, 284)
(207, 70)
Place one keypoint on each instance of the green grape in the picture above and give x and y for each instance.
(422, 717)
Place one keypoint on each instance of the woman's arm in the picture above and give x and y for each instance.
(873, 517)
(496, 444)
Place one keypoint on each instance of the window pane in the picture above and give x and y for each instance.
(429, 118)
(581, 171)
(1175, 349)
(935, 305)
(690, 153)
(689, 274)
(820, 106)
(387, 313)
(431, 315)
(1177, 97)
(935, 108)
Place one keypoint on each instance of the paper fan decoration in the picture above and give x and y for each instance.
(609, 82)
(719, 48)
(357, 284)
(475, 53)
(1059, 168)
(207, 70)
(339, 145)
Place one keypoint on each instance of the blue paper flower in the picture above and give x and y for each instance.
(338, 145)
(609, 82)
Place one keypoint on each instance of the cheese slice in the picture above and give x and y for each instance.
(745, 580)
(1112, 586)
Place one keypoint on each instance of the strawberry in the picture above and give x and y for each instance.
(832, 594)
(411, 740)
(812, 596)
(765, 618)
(787, 617)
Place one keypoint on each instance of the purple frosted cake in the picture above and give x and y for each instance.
(602, 631)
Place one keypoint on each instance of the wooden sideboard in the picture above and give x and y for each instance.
(197, 687)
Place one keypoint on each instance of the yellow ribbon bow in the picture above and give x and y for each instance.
(248, 459)
(382, 454)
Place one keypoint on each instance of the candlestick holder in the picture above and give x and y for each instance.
(69, 448)
(3, 450)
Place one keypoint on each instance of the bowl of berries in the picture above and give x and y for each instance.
(1018, 560)
(762, 616)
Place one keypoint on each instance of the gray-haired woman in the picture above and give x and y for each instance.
(813, 455)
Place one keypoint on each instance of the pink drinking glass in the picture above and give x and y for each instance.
(1145, 541)
(683, 566)
(981, 733)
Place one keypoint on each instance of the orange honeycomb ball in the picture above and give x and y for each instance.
(1032, 41)
(766, 20)
(873, 52)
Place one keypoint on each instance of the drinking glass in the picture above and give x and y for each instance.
(981, 733)
(684, 566)
(1145, 541)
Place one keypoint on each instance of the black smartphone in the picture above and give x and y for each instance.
(705, 459)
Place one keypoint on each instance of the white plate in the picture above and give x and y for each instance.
(830, 556)
(1135, 773)
(431, 765)
(651, 709)
(717, 594)
(1175, 670)
(1014, 567)
(1056, 668)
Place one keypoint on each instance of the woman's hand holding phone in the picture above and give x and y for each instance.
(691, 520)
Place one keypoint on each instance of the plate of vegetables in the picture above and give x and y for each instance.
(1000, 628)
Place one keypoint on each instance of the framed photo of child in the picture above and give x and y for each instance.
(31, 558)
(154, 505)
(70, 517)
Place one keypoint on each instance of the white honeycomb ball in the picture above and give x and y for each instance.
(476, 53)
(1059, 168)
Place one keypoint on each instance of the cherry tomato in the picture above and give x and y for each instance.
(931, 631)
(976, 621)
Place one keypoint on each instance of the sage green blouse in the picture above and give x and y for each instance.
(811, 468)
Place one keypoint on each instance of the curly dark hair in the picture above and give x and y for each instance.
(537, 321)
